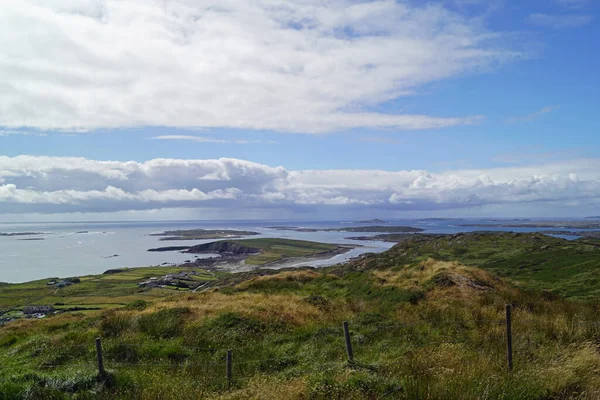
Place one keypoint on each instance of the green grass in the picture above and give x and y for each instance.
(414, 337)
(98, 291)
(275, 249)
(421, 329)
(569, 268)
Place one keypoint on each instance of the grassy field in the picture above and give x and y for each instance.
(94, 291)
(568, 268)
(275, 249)
(421, 329)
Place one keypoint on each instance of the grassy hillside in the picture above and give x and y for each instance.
(94, 291)
(424, 329)
(274, 249)
(569, 268)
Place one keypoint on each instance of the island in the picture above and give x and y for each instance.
(372, 221)
(374, 229)
(10, 234)
(259, 252)
(202, 234)
(384, 237)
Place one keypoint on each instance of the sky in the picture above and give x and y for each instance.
(306, 109)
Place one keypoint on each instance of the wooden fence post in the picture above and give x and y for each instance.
(101, 371)
(229, 367)
(348, 342)
(509, 350)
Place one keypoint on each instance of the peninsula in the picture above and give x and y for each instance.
(374, 228)
(203, 234)
(261, 251)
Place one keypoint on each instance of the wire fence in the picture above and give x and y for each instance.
(330, 347)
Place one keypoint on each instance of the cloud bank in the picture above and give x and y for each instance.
(30, 184)
(307, 66)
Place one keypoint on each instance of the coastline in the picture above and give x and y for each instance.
(289, 261)
(236, 263)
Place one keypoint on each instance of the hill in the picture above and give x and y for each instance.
(420, 329)
(531, 260)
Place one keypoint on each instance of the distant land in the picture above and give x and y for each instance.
(440, 219)
(372, 221)
(9, 234)
(391, 237)
(388, 228)
(202, 234)
(261, 251)
(541, 224)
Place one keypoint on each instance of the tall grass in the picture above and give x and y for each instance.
(430, 331)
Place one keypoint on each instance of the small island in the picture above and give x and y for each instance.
(10, 234)
(203, 234)
(384, 237)
(373, 228)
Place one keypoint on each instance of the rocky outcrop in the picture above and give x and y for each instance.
(224, 246)
(170, 248)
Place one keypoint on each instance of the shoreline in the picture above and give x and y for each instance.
(284, 262)
(237, 263)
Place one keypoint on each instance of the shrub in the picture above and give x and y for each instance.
(138, 305)
(115, 323)
(163, 324)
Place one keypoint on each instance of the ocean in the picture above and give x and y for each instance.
(83, 248)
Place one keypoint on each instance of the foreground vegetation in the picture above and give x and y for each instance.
(533, 260)
(421, 329)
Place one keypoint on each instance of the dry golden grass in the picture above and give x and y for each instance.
(290, 309)
(455, 280)
(298, 276)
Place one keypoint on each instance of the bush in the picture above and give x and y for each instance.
(115, 323)
(138, 305)
(318, 301)
(163, 324)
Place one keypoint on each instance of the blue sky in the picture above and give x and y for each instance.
(503, 90)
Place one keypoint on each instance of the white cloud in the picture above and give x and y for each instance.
(533, 116)
(560, 21)
(202, 139)
(572, 4)
(14, 132)
(31, 184)
(299, 66)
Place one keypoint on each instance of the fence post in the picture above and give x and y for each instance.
(101, 371)
(348, 342)
(509, 350)
(229, 367)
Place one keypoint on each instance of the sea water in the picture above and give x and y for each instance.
(82, 248)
